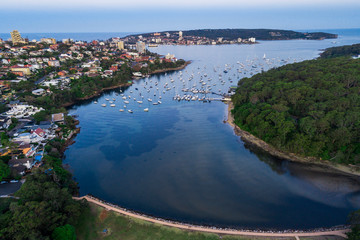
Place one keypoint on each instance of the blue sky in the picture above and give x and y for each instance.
(160, 15)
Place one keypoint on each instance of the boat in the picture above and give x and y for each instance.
(112, 105)
(140, 102)
(103, 105)
(121, 110)
(130, 111)
(146, 109)
(149, 99)
(127, 102)
(95, 102)
(106, 99)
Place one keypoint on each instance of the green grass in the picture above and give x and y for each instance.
(96, 219)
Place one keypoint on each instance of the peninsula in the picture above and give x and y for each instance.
(223, 36)
(307, 111)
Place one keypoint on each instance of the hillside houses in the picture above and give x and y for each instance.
(22, 110)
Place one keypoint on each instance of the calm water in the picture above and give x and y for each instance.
(180, 161)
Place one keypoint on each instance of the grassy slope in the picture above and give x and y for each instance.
(94, 221)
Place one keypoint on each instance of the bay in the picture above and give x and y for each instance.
(181, 161)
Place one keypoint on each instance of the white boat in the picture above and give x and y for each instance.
(130, 111)
(106, 99)
(149, 99)
(140, 102)
(103, 105)
(121, 110)
(146, 109)
(112, 105)
(95, 102)
(126, 102)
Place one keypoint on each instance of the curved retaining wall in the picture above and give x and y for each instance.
(189, 227)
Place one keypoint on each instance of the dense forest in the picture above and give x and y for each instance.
(44, 206)
(348, 50)
(260, 34)
(310, 108)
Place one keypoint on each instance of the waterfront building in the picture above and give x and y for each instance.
(169, 56)
(180, 35)
(16, 37)
(120, 45)
(252, 39)
(140, 47)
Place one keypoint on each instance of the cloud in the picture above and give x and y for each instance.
(155, 4)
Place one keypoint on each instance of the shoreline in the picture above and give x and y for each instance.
(340, 231)
(76, 131)
(257, 142)
(100, 91)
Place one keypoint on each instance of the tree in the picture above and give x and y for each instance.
(66, 232)
(354, 219)
(4, 170)
(40, 116)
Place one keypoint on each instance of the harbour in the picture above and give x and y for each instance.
(179, 161)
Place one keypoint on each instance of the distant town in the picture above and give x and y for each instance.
(178, 38)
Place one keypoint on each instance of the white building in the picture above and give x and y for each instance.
(140, 47)
(21, 111)
(252, 39)
(169, 56)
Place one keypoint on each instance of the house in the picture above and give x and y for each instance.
(26, 162)
(4, 122)
(23, 137)
(20, 70)
(39, 132)
(39, 92)
(62, 73)
(19, 169)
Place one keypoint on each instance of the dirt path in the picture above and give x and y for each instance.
(189, 227)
